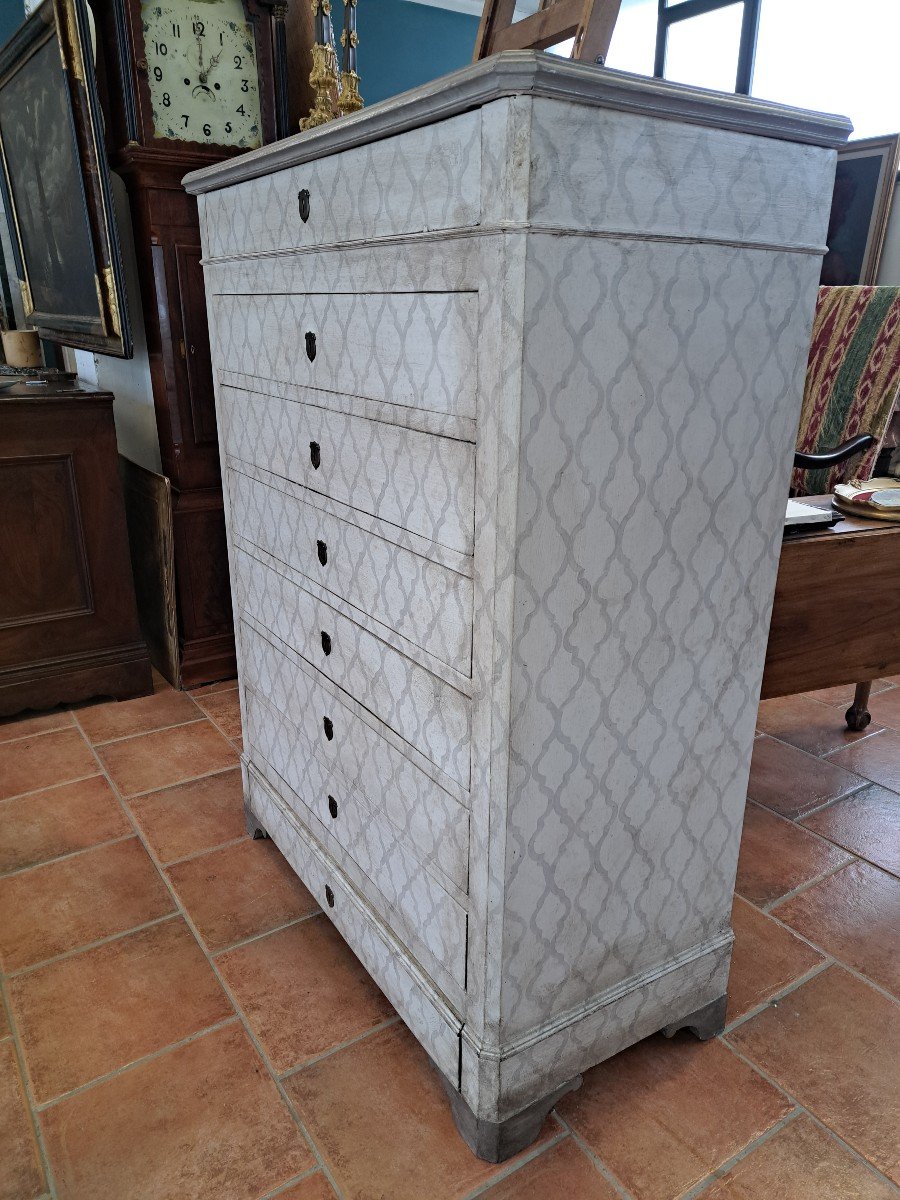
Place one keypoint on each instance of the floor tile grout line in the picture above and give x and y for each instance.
(36, 733)
(22, 1066)
(176, 862)
(216, 725)
(803, 887)
(851, 1150)
(74, 951)
(823, 754)
(289, 1183)
(291, 1072)
(816, 809)
(780, 995)
(219, 951)
(130, 737)
(512, 1169)
(46, 788)
(178, 782)
(242, 1017)
(49, 862)
(835, 961)
(605, 1171)
(770, 1079)
(42, 1106)
(740, 1155)
(866, 737)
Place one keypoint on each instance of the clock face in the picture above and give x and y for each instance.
(201, 66)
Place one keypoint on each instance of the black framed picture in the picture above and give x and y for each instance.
(55, 181)
(863, 187)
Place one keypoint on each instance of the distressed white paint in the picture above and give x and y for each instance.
(622, 337)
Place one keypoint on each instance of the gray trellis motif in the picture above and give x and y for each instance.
(553, 400)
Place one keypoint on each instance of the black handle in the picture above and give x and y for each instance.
(328, 726)
(326, 642)
(303, 204)
(315, 455)
(332, 807)
(310, 339)
(322, 551)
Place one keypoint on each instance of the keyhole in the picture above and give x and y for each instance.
(322, 551)
(315, 455)
(326, 642)
(303, 203)
(328, 727)
(310, 339)
(329, 896)
(332, 807)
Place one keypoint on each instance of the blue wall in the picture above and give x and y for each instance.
(402, 44)
(12, 14)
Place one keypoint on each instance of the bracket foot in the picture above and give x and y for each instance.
(496, 1141)
(253, 826)
(705, 1023)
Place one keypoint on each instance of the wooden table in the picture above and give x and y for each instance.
(836, 617)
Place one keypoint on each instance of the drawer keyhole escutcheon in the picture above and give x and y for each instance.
(332, 807)
(326, 642)
(329, 896)
(303, 204)
(322, 551)
(328, 726)
(315, 455)
(310, 339)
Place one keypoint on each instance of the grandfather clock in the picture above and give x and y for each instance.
(188, 82)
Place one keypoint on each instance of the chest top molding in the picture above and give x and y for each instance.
(529, 73)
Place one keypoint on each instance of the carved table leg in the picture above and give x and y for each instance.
(253, 826)
(707, 1022)
(496, 1141)
(857, 715)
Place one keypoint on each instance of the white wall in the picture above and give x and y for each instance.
(129, 378)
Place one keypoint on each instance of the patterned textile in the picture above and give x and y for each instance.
(852, 379)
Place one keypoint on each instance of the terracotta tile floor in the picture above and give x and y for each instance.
(180, 1022)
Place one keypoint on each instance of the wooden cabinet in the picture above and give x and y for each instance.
(504, 510)
(68, 623)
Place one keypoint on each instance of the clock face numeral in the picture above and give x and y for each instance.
(201, 69)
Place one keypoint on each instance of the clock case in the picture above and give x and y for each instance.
(167, 249)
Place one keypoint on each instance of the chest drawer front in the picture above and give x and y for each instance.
(415, 906)
(411, 348)
(424, 1010)
(422, 600)
(435, 825)
(429, 178)
(424, 710)
(418, 481)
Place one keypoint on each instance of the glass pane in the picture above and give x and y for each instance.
(796, 64)
(703, 50)
(634, 37)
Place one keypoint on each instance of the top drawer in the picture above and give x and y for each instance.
(428, 178)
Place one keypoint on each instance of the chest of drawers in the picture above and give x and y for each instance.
(506, 425)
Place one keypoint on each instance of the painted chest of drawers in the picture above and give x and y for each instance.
(508, 374)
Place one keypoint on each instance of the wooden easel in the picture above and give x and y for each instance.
(590, 22)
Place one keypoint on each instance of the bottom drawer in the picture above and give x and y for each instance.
(413, 903)
(432, 1021)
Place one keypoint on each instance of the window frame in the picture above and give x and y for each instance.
(668, 14)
